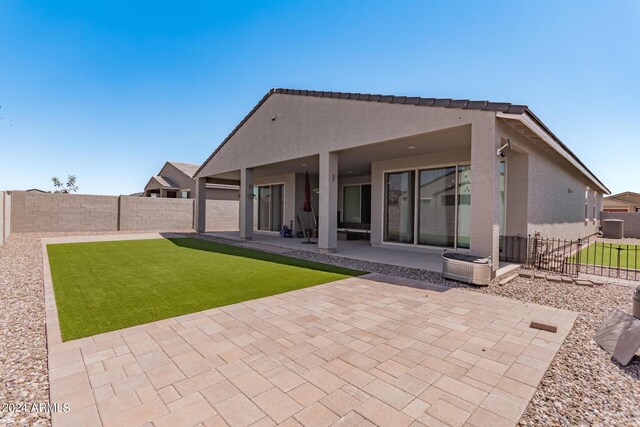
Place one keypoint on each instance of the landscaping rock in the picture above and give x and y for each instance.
(539, 276)
(567, 279)
(554, 278)
(526, 273)
(582, 282)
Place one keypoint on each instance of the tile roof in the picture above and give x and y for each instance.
(186, 168)
(165, 182)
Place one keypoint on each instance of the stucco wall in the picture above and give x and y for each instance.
(42, 212)
(144, 213)
(306, 126)
(222, 215)
(557, 201)
(631, 222)
(217, 194)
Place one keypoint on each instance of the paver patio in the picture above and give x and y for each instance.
(360, 351)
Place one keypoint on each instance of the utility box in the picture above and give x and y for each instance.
(613, 228)
(466, 268)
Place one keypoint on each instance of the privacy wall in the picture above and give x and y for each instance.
(53, 212)
(5, 216)
(631, 222)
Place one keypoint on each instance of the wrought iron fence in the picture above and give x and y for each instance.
(572, 257)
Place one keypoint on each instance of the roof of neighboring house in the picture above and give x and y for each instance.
(627, 196)
(35, 190)
(503, 107)
(188, 169)
(165, 182)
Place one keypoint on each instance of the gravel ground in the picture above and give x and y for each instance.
(23, 347)
(583, 386)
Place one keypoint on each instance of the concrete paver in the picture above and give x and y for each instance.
(356, 351)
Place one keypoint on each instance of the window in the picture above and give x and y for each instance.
(443, 202)
(270, 207)
(399, 197)
(356, 204)
(586, 204)
(184, 194)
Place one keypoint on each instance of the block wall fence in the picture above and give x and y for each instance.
(631, 222)
(54, 212)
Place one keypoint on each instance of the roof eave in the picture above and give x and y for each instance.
(536, 125)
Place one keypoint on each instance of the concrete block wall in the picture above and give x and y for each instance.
(3, 237)
(145, 213)
(222, 215)
(52, 212)
(631, 222)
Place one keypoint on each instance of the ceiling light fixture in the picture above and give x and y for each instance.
(411, 147)
(304, 164)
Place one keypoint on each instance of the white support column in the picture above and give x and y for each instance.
(485, 191)
(246, 204)
(201, 205)
(328, 209)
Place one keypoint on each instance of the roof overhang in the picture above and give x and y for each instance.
(540, 130)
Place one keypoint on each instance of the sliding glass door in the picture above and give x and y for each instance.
(270, 207)
(437, 208)
(399, 207)
(443, 208)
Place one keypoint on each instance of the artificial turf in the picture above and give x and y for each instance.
(104, 286)
(606, 254)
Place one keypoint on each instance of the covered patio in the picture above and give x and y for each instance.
(355, 249)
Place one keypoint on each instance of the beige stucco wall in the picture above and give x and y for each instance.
(222, 215)
(41, 212)
(143, 213)
(218, 194)
(557, 201)
(306, 126)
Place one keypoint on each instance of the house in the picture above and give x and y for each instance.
(175, 180)
(622, 202)
(416, 173)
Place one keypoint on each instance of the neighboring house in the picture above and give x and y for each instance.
(622, 202)
(175, 180)
(419, 173)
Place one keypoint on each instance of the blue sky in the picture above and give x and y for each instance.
(109, 91)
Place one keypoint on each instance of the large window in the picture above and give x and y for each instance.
(443, 207)
(356, 204)
(399, 197)
(270, 207)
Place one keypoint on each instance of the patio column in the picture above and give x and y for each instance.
(485, 190)
(201, 205)
(328, 203)
(246, 203)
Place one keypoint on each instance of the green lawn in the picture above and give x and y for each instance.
(104, 286)
(607, 255)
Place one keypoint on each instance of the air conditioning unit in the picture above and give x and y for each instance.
(466, 268)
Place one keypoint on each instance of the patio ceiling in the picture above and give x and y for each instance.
(357, 161)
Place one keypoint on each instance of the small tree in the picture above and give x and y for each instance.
(68, 187)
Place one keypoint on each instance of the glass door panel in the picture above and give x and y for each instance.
(437, 206)
(399, 207)
(464, 207)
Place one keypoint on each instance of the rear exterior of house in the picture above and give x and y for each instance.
(414, 173)
(175, 180)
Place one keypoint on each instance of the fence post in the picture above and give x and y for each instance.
(578, 256)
